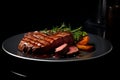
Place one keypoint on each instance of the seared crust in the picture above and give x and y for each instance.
(37, 42)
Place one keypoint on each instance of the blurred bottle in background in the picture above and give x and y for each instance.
(112, 19)
(106, 21)
(96, 24)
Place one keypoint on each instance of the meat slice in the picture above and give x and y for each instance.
(37, 42)
(62, 50)
(72, 50)
(65, 51)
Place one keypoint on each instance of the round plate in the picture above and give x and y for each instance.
(102, 47)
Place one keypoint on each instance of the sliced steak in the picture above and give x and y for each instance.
(65, 51)
(62, 50)
(72, 50)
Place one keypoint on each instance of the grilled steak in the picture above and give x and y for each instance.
(38, 42)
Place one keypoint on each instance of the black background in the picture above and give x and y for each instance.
(19, 18)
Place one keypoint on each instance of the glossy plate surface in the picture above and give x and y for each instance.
(102, 47)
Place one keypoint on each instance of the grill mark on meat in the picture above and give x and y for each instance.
(39, 33)
(36, 40)
(46, 38)
(28, 46)
(25, 46)
(41, 36)
(31, 41)
(54, 37)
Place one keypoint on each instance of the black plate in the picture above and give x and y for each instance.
(102, 47)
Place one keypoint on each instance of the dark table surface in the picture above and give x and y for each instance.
(100, 63)
(24, 22)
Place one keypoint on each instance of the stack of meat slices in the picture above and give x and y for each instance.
(41, 43)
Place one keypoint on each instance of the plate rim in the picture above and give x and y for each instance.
(57, 60)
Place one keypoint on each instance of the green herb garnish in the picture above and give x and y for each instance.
(78, 33)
